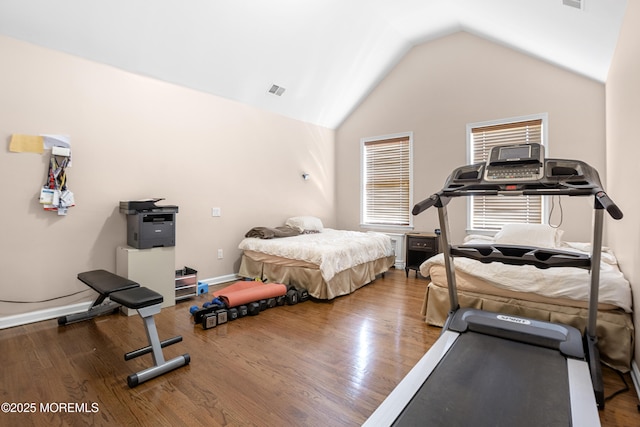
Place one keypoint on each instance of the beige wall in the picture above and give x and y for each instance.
(134, 137)
(440, 87)
(623, 151)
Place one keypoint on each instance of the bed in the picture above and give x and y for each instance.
(554, 294)
(326, 262)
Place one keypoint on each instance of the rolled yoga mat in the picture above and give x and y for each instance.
(246, 292)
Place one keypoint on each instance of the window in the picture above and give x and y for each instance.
(490, 213)
(386, 181)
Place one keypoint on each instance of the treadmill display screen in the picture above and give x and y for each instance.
(514, 153)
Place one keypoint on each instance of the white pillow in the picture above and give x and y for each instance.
(539, 235)
(305, 223)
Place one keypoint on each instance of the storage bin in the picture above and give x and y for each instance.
(186, 283)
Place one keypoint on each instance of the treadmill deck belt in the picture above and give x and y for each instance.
(490, 381)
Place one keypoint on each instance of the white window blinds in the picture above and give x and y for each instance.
(386, 181)
(492, 212)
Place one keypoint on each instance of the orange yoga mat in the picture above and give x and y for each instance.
(245, 292)
(238, 286)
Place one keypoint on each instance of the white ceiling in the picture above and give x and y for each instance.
(327, 54)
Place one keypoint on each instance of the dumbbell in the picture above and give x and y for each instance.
(199, 314)
(267, 303)
(292, 295)
(253, 308)
(232, 314)
(209, 320)
(303, 295)
(216, 302)
(242, 310)
(214, 318)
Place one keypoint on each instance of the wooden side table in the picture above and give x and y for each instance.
(420, 247)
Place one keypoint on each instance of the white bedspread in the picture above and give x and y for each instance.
(332, 250)
(556, 282)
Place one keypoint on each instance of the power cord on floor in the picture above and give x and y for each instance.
(622, 390)
(45, 300)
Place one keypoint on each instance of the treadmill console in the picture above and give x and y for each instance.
(515, 163)
(522, 170)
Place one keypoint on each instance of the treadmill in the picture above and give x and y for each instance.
(493, 369)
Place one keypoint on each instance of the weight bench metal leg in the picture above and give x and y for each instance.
(94, 311)
(148, 349)
(155, 347)
(154, 371)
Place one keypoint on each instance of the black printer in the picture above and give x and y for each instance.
(149, 225)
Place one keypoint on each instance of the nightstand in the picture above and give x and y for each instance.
(420, 247)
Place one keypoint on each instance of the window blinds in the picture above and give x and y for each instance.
(386, 187)
(492, 212)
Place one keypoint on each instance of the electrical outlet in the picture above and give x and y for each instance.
(220, 254)
(216, 212)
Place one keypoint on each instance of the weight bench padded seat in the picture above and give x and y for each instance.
(139, 297)
(105, 282)
(147, 302)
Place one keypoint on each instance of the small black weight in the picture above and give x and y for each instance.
(232, 314)
(222, 316)
(253, 309)
(303, 295)
(271, 302)
(292, 296)
(242, 311)
(209, 320)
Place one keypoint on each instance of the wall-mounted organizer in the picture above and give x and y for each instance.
(54, 195)
(186, 283)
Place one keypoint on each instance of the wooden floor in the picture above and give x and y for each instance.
(312, 364)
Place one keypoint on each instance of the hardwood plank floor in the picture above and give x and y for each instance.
(312, 364)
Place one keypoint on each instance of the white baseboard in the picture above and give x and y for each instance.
(41, 315)
(220, 279)
(217, 283)
(55, 312)
(635, 376)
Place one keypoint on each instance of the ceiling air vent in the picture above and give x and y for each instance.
(277, 90)
(578, 4)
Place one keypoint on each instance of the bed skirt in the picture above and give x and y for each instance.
(308, 276)
(614, 327)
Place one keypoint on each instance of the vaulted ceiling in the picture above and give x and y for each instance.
(326, 54)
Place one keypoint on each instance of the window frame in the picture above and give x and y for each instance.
(383, 226)
(544, 118)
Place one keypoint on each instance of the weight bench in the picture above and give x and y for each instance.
(104, 283)
(127, 293)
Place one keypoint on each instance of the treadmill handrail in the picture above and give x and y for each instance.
(521, 255)
(608, 204)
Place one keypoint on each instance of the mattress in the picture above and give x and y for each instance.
(331, 250)
(491, 290)
(306, 275)
(564, 283)
(328, 264)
